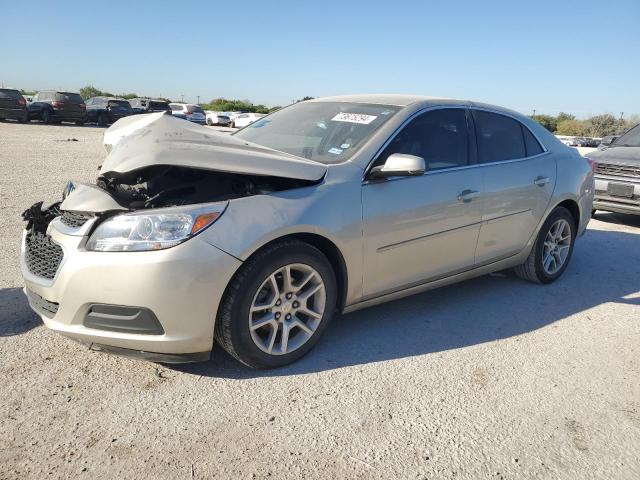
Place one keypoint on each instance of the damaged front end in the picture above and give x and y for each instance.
(163, 181)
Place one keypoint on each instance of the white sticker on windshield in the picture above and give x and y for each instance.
(335, 151)
(354, 118)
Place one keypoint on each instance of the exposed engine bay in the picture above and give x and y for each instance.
(168, 185)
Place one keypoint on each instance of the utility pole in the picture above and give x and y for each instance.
(198, 99)
(182, 97)
(621, 115)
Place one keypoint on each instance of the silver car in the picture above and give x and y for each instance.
(255, 240)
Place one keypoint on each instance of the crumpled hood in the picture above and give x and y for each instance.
(617, 155)
(140, 141)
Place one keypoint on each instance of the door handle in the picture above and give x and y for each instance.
(541, 181)
(467, 195)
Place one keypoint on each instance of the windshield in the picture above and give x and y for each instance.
(630, 139)
(327, 132)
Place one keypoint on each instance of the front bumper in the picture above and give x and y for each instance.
(182, 286)
(603, 200)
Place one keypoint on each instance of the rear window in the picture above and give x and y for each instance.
(194, 109)
(532, 145)
(176, 108)
(69, 97)
(10, 94)
(158, 105)
(119, 104)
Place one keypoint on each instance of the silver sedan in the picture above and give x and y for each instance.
(255, 240)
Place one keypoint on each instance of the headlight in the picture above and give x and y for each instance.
(153, 229)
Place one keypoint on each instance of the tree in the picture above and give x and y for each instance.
(571, 127)
(601, 125)
(225, 105)
(565, 116)
(547, 121)
(129, 96)
(90, 91)
(304, 99)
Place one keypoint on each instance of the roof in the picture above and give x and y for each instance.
(381, 99)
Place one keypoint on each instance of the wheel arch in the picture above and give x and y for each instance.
(329, 249)
(573, 207)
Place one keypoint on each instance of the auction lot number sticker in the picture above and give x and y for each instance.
(354, 118)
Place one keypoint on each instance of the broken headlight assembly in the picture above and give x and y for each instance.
(153, 229)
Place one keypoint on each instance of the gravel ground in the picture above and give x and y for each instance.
(491, 378)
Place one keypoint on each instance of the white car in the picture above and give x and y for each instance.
(245, 119)
(188, 111)
(217, 118)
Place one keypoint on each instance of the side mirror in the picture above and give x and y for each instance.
(399, 165)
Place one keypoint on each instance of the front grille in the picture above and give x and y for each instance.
(42, 255)
(617, 170)
(42, 305)
(75, 219)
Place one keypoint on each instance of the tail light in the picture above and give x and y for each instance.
(57, 104)
(22, 101)
(82, 106)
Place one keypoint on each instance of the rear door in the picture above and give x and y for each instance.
(518, 178)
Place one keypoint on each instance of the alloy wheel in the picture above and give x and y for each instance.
(556, 246)
(287, 309)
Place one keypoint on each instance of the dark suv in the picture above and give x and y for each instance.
(56, 107)
(149, 105)
(107, 110)
(13, 105)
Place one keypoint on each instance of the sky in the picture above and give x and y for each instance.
(548, 56)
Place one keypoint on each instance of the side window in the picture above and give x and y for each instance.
(439, 136)
(499, 137)
(531, 143)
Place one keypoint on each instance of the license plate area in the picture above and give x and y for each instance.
(620, 190)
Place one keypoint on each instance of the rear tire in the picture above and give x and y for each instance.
(46, 116)
(552, 251)
(259, 294)
(209, 122)
(102, 120)
(25, 118)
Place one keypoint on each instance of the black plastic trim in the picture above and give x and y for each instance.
(153, 356)
(117, 318)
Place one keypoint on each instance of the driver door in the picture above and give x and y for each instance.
(426, 227)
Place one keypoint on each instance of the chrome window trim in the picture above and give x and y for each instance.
(545, 151)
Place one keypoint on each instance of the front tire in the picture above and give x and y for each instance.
(277, 306)
(102, 120)
(46, 116)
(552, 250)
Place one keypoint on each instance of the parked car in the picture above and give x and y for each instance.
(107, 110)
(617, 174)
(217, 118)
(149, 105)
(188, 111)
(13, 105)
(55, 107)
(256, 239)
(607, 140)
(243, 119)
